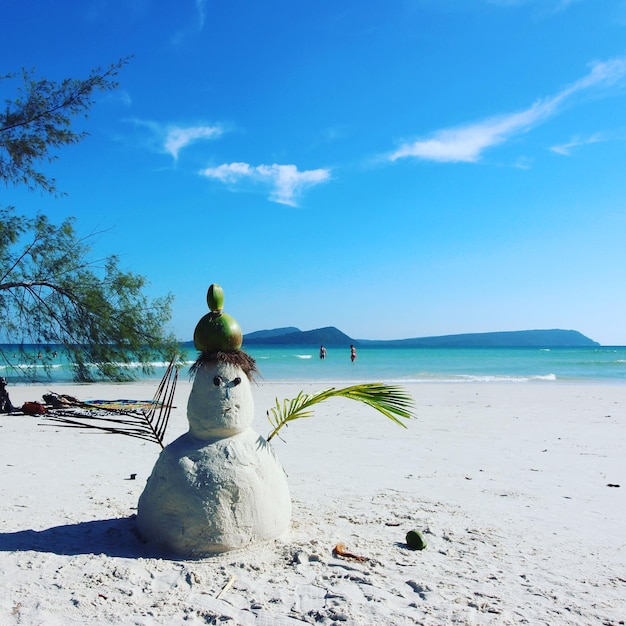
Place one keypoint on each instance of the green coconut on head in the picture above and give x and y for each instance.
(217, 331)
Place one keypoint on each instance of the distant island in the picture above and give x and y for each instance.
(331, 336)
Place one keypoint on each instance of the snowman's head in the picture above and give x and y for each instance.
(220, 403)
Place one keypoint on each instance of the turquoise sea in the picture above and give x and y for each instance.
(401, 365)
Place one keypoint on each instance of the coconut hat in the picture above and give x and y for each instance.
(218, 336)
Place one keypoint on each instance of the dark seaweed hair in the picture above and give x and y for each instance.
(238, 358)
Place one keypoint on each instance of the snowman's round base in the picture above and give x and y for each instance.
(208, 497)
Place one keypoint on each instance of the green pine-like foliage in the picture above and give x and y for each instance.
(52, 291)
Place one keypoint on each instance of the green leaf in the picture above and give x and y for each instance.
(393, 401)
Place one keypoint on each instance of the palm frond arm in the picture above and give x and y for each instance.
(392, 401)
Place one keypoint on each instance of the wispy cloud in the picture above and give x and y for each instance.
(507, 3)
(201, 10)
(178, 137)
(120, 96)
(467, 143)
(566, 148)
(171, 139)
(562, 5)
(193, 28)
(551, 6)
(286, 182)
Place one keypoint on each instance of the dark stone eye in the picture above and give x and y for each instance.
(236, 381)
(217, 381)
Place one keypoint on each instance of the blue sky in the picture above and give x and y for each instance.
(396, 169)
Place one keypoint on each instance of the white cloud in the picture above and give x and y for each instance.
(178, 137)
(553, 6)
(562, 5)
(286, 182)
(171, 139)
(201, 8)
(507, 3)
(566, 148)
(467, 143)
(120, 96)
(193, 28)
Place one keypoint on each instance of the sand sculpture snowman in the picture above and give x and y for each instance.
(219, 486)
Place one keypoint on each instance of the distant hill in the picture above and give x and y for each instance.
(331, 336)
(276, 332)
(555, 338)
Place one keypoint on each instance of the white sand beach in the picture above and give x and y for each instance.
(508, 483)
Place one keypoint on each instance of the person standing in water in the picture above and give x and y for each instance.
(352, 353)
(322, 352)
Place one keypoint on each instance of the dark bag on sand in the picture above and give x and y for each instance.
(5, 403)
(33, 408)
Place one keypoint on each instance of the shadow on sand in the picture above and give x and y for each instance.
(117, 537)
